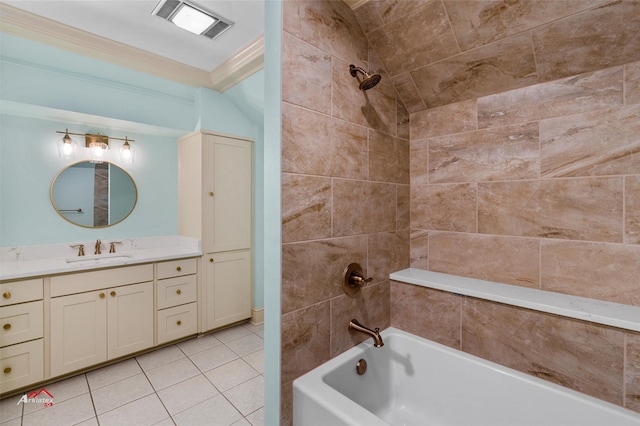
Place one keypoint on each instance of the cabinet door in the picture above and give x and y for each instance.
(228, 198)
(130, 319)
(78, 331)
(228, 288)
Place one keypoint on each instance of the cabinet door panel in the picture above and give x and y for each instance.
(228, 288)
(130, 319)
(21, 365)
(78, 331)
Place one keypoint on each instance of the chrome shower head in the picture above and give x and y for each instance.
(368, 80)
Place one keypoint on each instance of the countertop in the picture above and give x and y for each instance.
(36, 261)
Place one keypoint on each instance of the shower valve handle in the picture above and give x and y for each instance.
(356, 280)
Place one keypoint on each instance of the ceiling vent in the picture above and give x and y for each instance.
(192, 18)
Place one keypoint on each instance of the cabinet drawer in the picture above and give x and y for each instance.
(20, 291)
(176, 291)
(19, 323)
(176, 268)
(21, 365)
(96, 280)
(177, 322)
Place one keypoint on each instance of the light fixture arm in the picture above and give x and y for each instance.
(126, 139)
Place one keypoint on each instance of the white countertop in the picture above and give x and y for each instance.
(597, 311)
(34, 261)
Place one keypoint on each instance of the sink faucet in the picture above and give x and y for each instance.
(354, 325)
(98, 244)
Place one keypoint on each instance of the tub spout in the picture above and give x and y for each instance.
(375, 334)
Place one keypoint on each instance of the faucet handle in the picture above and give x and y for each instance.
(112, 246)
(80, 248)
(354, 279)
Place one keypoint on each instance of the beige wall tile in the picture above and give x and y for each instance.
(574, 209)
(445, 120)
(395, 42)
(307, 71)
(314, 143)
(403, 213)
(632, 209)
(590, 144)
(576, 354)
(478, 22)
(388, 252)
(432, 314)
(445, 207)
(632, 83)
(408, 92)
(419, 162)
(363, 207)
(286, 404)
(502, 153)
(597, 271)
(403, 126)
(632, 371)
(388, 158)
(312, 271)
(390, 10)
(505, 260)
(591, 91)
(368, 17)
(305, 340)
(594, 39)
(496, 67)
(370, 307)
(419, 240)
(328, 25)
(306, 207)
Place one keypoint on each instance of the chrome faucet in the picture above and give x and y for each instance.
(354, 325)
(98, 244)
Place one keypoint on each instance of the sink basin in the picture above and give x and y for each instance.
(98, 258)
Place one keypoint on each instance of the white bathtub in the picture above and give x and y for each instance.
(414, 381)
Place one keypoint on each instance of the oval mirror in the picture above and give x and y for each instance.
(93, 195)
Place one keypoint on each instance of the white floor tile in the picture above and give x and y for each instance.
(91, 422)
(61, 391)
(247, 344)
(166, 422)
(169, 374)
(256, 360)
(112, 373)
(257, 417)
(69, 412)
(212, 358)
(13, 422)
(257, 329)
(184, 395)
(247, 397)
(216, 411)
(231, 374)
(199, 344)
(242, 422)
(145, 411)
(233, 333)
(120, 393)
(160, 357)
(10, 409)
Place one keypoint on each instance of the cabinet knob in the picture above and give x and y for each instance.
(179, 268)
(101, 295)
(7, 370)
(7, 326)
(178, 291)
(6, 295)
(211, 259)
(211, 194)
(179, 322)
(113, 294)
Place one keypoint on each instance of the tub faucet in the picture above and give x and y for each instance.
(354, 325)
(98, 245)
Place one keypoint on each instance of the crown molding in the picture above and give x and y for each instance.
(354, 4)
(27, 25)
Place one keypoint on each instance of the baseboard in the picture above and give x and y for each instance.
(257, 316)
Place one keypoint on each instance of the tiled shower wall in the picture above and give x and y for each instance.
(536, 187)
(345, 187)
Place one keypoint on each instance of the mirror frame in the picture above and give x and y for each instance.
(55, 207)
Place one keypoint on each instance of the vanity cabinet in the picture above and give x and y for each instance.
(21, 334)
(215, 200)
(100, 315)
(176, 296)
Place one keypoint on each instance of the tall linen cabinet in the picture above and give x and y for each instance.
(215, 175)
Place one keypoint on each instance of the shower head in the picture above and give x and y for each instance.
(368, 80)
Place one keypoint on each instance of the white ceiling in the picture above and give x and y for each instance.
(131, 23)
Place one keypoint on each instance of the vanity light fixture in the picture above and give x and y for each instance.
(192, 18)
(97, 144)
(67, 146)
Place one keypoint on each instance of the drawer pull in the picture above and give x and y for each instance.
(178, 291)
(7, 326)
(179, 322)
(101, 295)
(113, 294)
(6, 295)
(211, 194)
(7, 370)
(179, 269)
(211, 259)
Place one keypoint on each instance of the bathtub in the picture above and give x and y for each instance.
(414, 381)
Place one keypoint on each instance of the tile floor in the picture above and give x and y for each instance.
(216, 379)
